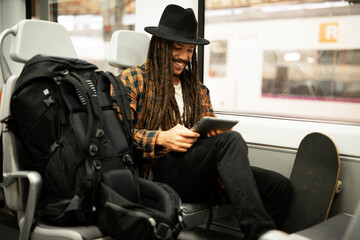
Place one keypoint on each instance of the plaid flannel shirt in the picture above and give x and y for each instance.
(134, 80)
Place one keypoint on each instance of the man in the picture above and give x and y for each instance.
(167, 99)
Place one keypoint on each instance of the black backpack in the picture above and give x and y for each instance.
(69, 131)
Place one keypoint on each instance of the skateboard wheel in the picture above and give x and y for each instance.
(338, 187)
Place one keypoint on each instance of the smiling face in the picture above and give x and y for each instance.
(182, 54)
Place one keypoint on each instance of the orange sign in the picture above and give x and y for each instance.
(329, 32)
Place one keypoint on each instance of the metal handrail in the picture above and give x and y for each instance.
(5, 69)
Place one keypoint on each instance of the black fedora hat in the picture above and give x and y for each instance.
(179, 25)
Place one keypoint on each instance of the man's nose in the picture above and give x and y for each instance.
(184, 56)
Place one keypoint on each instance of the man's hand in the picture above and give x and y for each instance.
(178, 138)
(213, 133)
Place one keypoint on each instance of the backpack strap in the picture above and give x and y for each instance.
(93, 133)
(92, 109)
(123, 103)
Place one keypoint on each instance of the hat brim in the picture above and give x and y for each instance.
(165, 35)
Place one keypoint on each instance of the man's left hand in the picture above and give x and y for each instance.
(213, 133)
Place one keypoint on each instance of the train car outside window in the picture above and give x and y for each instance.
(293, 60)
(90, 23)
(323, 75)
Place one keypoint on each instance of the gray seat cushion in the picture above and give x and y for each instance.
(331, 229)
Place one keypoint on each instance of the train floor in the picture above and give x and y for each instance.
(9, 229)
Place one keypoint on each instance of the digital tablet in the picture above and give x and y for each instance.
(207, 124)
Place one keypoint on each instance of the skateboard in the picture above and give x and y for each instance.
(315, 181)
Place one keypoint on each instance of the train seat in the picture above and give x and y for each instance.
(129, 48)
(22, 188)
(339, 227)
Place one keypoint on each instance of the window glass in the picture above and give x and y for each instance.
(90, 23)
(331, 75)
(217, 66)
(290, 60)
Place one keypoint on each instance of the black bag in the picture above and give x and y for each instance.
(122, 219)
(63, 114)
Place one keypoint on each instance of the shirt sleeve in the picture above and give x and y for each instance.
(205, 98)
(133, 80)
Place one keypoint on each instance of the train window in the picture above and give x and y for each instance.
(217, 66)
(312, 74)
(299, 60)
(90, 23)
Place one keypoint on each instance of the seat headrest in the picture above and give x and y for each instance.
(40, 37)
(128, 48)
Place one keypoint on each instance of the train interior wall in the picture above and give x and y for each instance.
(275, 159)
(273, 145)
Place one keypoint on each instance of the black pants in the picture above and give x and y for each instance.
(260, 197)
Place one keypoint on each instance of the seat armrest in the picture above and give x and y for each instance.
(35, 184)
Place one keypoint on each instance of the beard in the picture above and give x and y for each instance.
(177, 73)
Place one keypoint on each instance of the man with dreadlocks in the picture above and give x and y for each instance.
(167, 99)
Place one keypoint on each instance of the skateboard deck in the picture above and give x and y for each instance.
(314, 179)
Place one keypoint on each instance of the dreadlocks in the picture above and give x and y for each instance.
(163, 108)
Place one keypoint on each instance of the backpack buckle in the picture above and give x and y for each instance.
(54, 146)
(64, 72)
(99, 133)
(163, 231)
(128, 160)
(97, 164)
(93, 149)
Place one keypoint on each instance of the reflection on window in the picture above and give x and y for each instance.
(217, 66)
(316, 74)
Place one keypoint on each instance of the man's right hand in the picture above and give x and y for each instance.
(178, 138)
